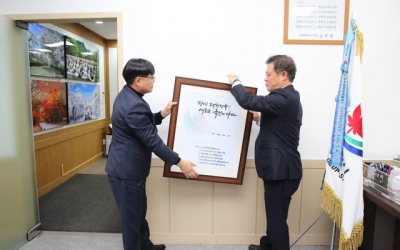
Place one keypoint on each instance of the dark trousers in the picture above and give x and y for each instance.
(132, 204)
(277, 196)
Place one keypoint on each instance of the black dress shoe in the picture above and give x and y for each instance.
(158, 247)
(254, 247)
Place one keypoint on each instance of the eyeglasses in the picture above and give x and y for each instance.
(152, 77)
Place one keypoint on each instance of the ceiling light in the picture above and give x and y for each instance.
(44, 50)
(51, 45)
(99, 22)
(87, 53)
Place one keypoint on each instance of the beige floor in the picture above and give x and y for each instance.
(101, 241)
(96, 168)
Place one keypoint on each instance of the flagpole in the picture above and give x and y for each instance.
(342, 189)
(308, 229)
(333, 234)
(316, 222)
(312, 225)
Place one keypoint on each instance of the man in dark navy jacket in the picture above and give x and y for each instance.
(134, 139)
(277, 159)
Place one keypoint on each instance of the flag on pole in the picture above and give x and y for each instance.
(342, 195)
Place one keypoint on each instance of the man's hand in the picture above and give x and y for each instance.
(256, 115)
(187, 169)
(167, 110)
(232, 77)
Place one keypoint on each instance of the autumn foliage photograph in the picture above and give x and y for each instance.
(49, 104)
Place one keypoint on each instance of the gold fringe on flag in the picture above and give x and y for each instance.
(360, 42)
(355, 239)
(331, 204)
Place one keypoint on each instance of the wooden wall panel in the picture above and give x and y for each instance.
(81, 149)
(234, 210)
(72, 155)
(47, 167)
(295, 212)
(261, 226)
(62, 156)
(191, 207)
(310, 204)
(158, 201)
(195, 212)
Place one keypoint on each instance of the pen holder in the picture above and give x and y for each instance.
(381, 178)
(386, 185)
(369, 171)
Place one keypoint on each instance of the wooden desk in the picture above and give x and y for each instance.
(372, 199)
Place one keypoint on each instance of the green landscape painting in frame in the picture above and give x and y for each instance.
(81, 61)
(49, 104)
(46, 52)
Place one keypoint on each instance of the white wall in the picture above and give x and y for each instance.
(208, 39)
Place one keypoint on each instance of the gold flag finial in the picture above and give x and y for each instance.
(360, 43)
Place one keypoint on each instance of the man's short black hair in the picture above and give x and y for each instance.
(137, 67)
(283, 63)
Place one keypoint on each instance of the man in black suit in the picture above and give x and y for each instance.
(277, 159)
(134, 139)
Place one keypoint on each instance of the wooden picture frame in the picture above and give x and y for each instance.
(209, 128)
(315, 21)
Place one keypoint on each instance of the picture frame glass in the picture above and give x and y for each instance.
(208, 127)
(49, 105)
(315, 21)
(83, 102)
(46, 52)
(81, 61)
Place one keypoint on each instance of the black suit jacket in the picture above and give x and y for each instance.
(276, 154)
(134, 138)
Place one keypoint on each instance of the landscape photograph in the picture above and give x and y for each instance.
(46, 52)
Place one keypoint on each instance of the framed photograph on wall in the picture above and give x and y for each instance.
(49, 104)
(83, 102)
(208, 127)
(315, 21)
(46, 52)
(81, 61)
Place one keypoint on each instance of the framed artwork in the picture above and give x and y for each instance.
(315, 21)
(83, 102)
(46, 52)
(81, 61)
(49, 105)
(209, 128)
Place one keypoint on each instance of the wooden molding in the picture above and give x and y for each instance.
(57, 136)
(67, 176)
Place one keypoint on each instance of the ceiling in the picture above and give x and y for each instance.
(107, 29)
